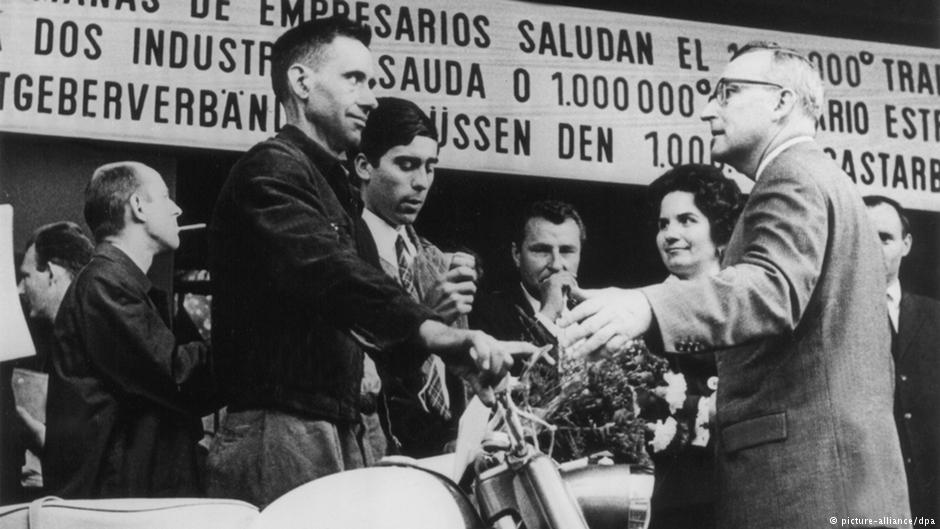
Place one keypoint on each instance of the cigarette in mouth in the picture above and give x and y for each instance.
(197, 226)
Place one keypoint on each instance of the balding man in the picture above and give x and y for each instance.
(120, 422)
(796, 317)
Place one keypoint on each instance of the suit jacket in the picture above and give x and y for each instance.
(805, 421)
(122, 420)
(917, 372)
(508, 315)
(413, 431)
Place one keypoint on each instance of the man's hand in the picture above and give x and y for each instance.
(452, 296)
(606, 319)
(474, 355)
(553, 293)
(37, 430)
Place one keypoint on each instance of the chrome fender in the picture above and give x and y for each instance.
(372, 498)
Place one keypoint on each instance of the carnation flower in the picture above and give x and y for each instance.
(674, 392)
(663, 433)
(706, 409)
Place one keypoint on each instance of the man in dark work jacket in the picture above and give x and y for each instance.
(122, 420)
(293, 303)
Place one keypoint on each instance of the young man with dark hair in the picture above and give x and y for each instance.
(396, 164)
(122, 416)
(915, 336)
(294, 305)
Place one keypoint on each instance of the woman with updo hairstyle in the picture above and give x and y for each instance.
(697, 208)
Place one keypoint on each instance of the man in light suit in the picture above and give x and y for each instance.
(805, 429)
(915, 346)
(398, 154)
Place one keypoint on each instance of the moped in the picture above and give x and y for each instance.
(507, 483)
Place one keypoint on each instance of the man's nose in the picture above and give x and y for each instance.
(708, 113)
(21, 287)
(557, 261)
(421, 179)
(367, 98)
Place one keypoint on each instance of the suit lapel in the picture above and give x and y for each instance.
(365, 243)
(519, 299)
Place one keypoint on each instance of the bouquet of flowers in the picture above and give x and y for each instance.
(596, 405)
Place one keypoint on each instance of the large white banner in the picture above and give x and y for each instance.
(515, 87)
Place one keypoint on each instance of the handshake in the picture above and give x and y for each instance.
(601, 322)
(605, 321)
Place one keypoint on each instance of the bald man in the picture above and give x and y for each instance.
(121, 419)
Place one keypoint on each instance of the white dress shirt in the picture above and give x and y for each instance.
(385, 235)
(894, 303)
(533, 302)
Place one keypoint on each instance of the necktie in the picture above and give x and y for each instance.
(405, 271)
(433, 393)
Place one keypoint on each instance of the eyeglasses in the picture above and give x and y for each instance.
(724, 88)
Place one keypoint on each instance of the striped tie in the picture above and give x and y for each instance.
(405, 273)
(433, 393)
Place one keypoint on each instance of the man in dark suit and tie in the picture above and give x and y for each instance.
(915, 346)
(398, 154)
(805, 430)
(546, 249)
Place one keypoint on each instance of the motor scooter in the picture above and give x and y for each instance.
(509, 484)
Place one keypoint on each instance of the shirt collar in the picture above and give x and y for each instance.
(894, 303)
(316, 152)
(134, 273)
(894, 292)
(534, 303)
(385, 235)
(776, 152)
(332, 167)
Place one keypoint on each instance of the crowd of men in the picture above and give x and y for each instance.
(339, 334)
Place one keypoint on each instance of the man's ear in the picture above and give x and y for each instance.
(57, 272)
(363, 167)
(515, 254)
(907, 241)
(135, 208)
(786, 101)
(298, 80)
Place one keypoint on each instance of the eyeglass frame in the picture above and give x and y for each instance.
(724, 82)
